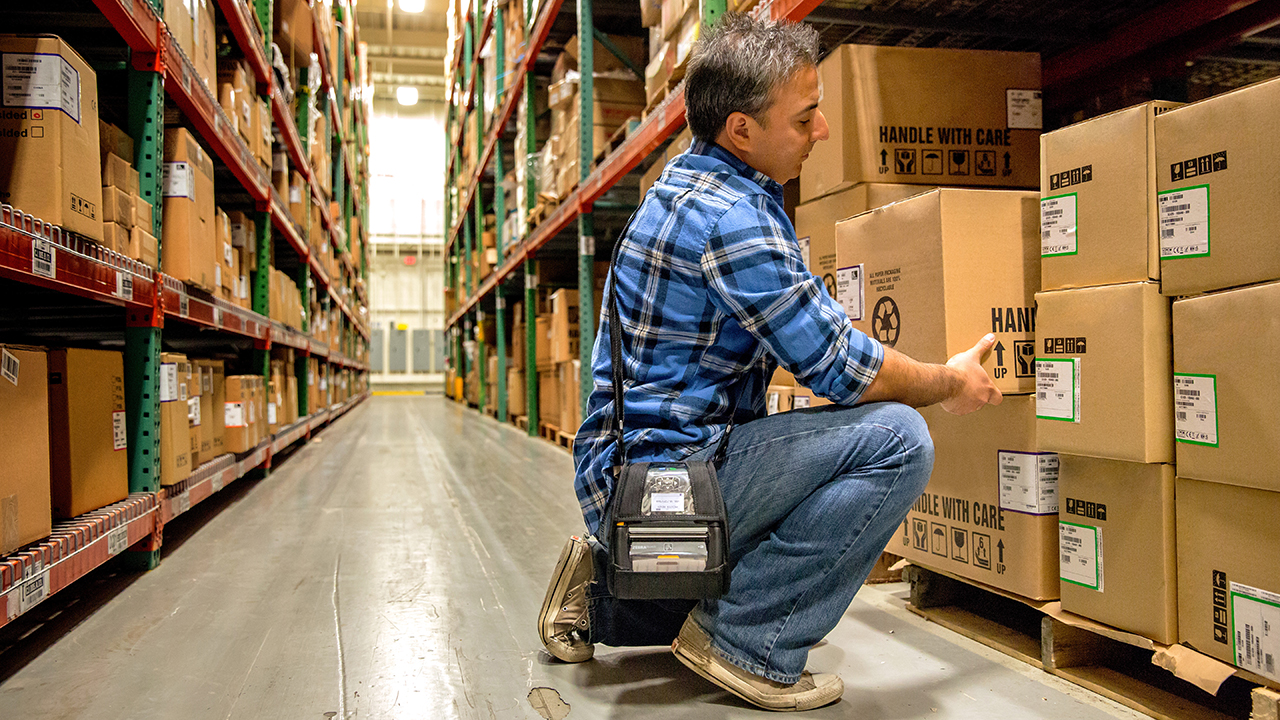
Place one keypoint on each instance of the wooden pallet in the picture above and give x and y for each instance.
(615, 140)
(550, 433)
(521, 421)
(565, 440)
(1118, 665)
(542, 209)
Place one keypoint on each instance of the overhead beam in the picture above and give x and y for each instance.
(841, 17)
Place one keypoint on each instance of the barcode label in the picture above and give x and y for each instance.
(1184, 222)
(168, 382)
(9, 366)
(43, 262)
(1081, 550)
(1058, 221)
(117, 540)
(33, 592)
(184, 305)
(119, 431)
(124, 285)
(1028, 482)
(182, 503)
(1255, 619)
(1058, 389)
(1195, 399)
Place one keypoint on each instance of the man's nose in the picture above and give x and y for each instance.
(820, 129)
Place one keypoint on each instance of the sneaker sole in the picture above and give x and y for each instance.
(727, 683)
(546, 622)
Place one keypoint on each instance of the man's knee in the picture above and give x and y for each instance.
(913, 434)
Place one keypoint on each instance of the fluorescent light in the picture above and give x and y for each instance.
(413, 6)
(407, 95)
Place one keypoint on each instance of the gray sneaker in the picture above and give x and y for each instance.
(693, 648)
(564, 621)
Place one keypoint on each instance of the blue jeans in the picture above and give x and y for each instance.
(813, 497)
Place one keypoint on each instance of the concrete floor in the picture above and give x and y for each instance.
(393, 568)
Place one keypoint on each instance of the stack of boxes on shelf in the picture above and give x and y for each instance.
(674, 27)
(248, 112)
(127, 219)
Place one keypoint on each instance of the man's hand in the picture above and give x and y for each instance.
(976, 388)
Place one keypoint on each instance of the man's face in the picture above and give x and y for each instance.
(792, 126)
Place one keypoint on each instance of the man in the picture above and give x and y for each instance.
(713, 295)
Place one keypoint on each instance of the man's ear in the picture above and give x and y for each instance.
(740, 131)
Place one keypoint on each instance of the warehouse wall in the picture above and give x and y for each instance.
(406, 229)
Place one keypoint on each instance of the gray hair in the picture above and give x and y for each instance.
(737, 65)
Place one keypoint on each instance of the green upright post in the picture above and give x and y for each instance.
(586, 225)
(266, 15)
(262, 287)
(531, 346)
(300, 361)
(500, 214)
(142, 337)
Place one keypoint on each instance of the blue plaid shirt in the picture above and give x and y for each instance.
(713, 295)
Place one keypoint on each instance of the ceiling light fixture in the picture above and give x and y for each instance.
(407, 95)
(413, 6)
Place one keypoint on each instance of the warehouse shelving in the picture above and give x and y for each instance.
(41, 261)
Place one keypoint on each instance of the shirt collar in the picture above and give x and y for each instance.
(766, 183)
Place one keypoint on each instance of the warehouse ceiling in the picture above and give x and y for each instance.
(405, 48)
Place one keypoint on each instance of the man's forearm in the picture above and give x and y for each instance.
(910, 382)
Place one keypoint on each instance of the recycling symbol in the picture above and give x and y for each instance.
(885, 321)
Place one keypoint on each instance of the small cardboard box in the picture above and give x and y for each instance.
(175, 441)
(25, 505)
(88, 451)
(1226, 359)
(548, 396)
(1098, 208)
(118, 173)
(144, 248)
(144, 215)
(990, 511)
(189, 221)
(931, 116)
(1228, 577)
(1103, 382)
(48, 152)
(816, 222)
(1118, 551)
(1216, 167)
(564, 326)
(930, 275)
(238, 413)
(117, 207)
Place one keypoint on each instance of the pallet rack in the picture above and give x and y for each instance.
(1083, 62)
(90, 278)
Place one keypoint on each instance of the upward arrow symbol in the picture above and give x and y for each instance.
(884, 157)
(1007, 158)
(1000, 546)
(999, 348)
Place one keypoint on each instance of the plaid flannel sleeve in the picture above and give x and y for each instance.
(753, 267)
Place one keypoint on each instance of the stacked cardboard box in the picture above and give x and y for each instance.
(128, 220)
(195, 418)
(244, 256)
(190, 224)
(87, 434)
(244, 413)
(25, 504)
(1103, 358)
(928, 276)
(194, 26)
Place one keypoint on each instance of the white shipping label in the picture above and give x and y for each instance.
(849, 291)
(217, 275)
(271, 413)
(295, 194)
(233, 414)
(773, 403)
(666, 502)
(1195, 400)
(168, 382)
(1028, 482)
(9, 366)
(1255, 620)
(193, 411)
(32, 592)
(119, 430)
(124, 285)
(41, 81)
(1184, 222)
(184, 304)
(1058, 217)
(117, 540)
(1058, 389)
(179, 180)
(1080, 550)
(43, 262)
(182, 391)
(1025, 109)
(227, 250)
(804, 251)
(800, 401)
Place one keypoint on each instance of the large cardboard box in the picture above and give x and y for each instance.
(1103, 383)
(542, 358)
(24, 411)
(1228, 577)
(990, 511)
(927, 116)
(200, 369)
(564, 325)
(238, 413)
(175, 441)
(189, 228)
(1098, 209)
(88, 451)
(1118, 561)
(49, 134)
(191, 374)
(1216, 167)
(516, 392)
(570, 398)
(930, 275)
(816, 222)
(217, 396)
(1226, 361)
(548, 396)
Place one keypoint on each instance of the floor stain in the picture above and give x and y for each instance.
(548, 703)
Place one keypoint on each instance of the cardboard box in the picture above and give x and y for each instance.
(990, 511)
(115, 237)
(1228, 578)
(88, 452)
(200, 369)
(189, 230)
(1098, 210)
(1103, 381)
(570, 397)
(239, 414)
(816, 222)
(543, 331)
(144, 248)
(516, 403)
(564, 325)
(930, 275)
(777, 398)
(929, 116)
(118, 173)
(112, 139)
(291, 399)
(144, 215)
(194, 419)
(803, 397)
(1118, 561)
(175, 441)
(1226, 358)
(117, 208)
(549, 396)
(1216, 163)
(48, 152)
(217, 395)
(25, 514)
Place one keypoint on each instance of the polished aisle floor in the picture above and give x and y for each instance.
(393, 568)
